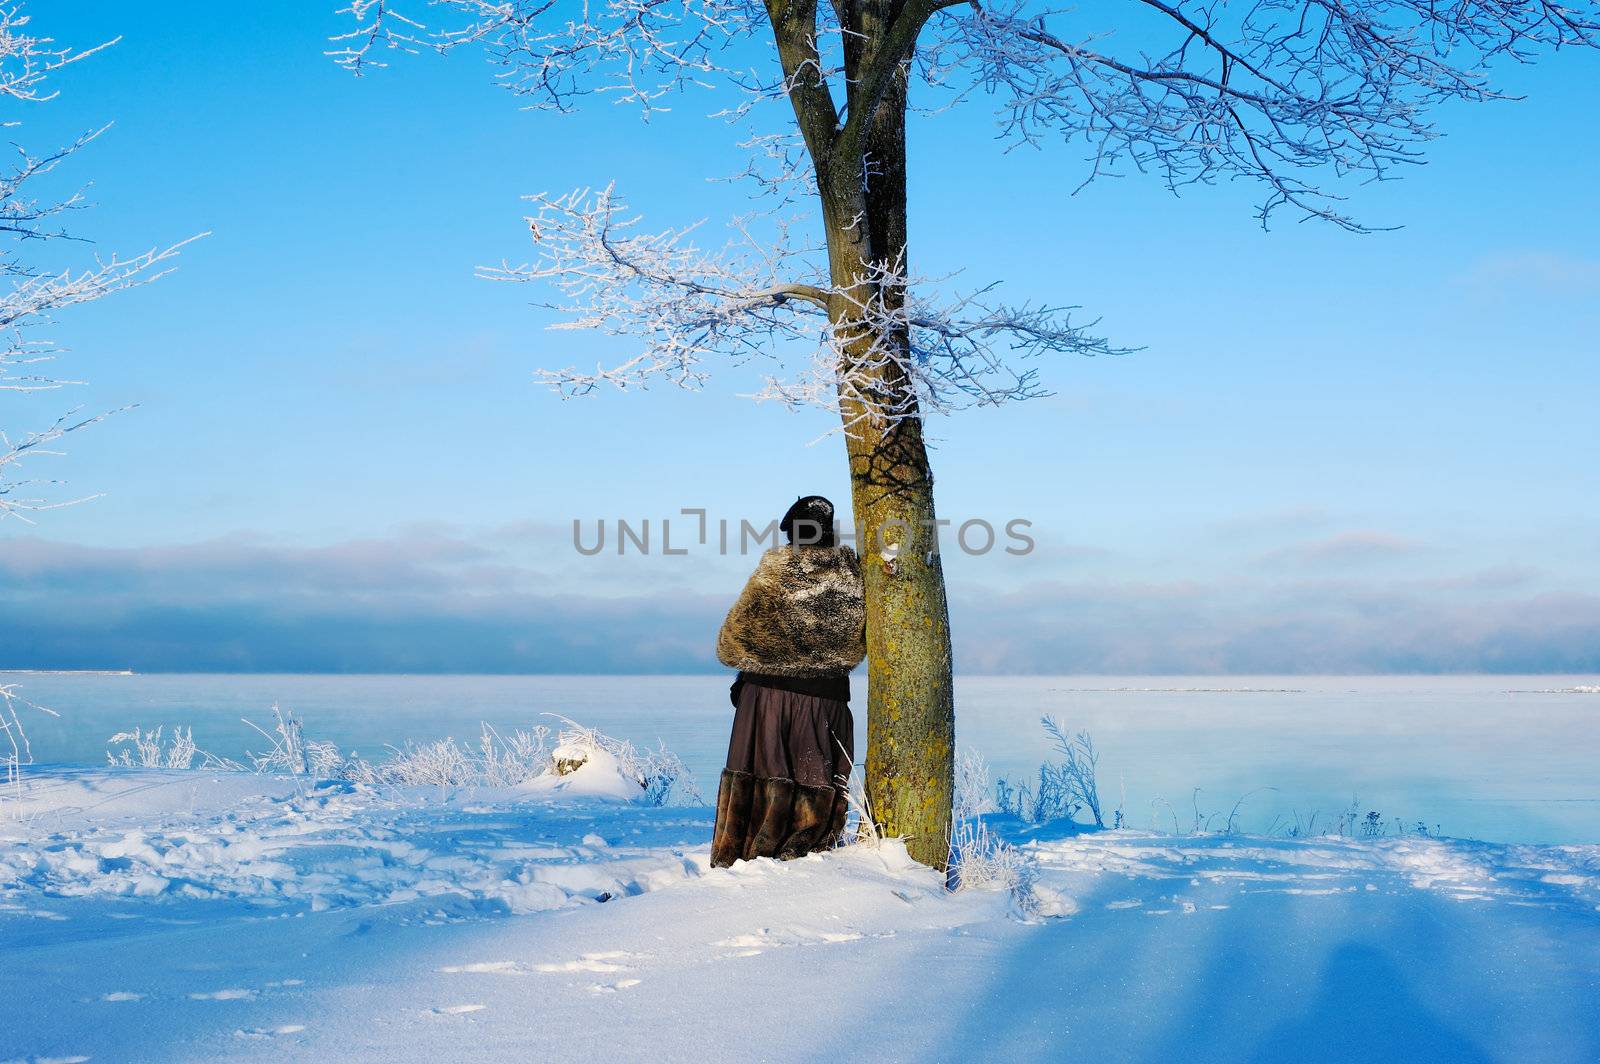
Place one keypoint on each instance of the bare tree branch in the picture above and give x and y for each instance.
(36, 296)
(637, 51)
(686, 306)
(1270, 90)
(1287, 93)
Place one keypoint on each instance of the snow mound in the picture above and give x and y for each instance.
(601, 775)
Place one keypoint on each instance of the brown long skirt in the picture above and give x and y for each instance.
(783, 792)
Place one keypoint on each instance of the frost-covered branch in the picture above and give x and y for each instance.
(37, 295)
(686, 307)
(1195, 90)
(636, 51)
(1287, 93)
(1274, 90)
(681, 303)
(32, 303)
(26, 61)
(928, 351)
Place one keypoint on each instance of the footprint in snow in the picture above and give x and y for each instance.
(612, 988)
(745, 945)
(262, 1033)
(487, 968)
(608, 961)
(752, 944)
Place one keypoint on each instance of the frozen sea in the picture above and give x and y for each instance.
(1498, 758)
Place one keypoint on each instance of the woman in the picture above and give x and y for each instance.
(797, 630)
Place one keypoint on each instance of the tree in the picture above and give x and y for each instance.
(33, 299)
(1285, 92)
(36, 294)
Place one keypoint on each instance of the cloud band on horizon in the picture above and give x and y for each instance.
(436, 602)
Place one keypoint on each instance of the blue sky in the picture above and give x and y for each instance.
(1332, 452)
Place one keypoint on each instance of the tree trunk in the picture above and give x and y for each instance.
(860, 167)
(910, 709)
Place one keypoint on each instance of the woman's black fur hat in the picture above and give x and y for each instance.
(809, 522)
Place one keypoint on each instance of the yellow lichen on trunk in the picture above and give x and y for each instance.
(910, 709)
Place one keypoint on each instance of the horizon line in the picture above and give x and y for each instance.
(10, 671)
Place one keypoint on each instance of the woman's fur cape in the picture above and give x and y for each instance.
(801, 614)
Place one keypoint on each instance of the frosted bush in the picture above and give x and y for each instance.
(496, 760)
(861, 827)
(439, 763)
(145, 750)
(982, 860)
(1039, 803)
(508, 761)
(1079, 767)
(1064, 788)
(971, 796)
(14, 749)
(1350, 824)
(291, 753)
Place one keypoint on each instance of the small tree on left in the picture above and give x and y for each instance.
(32, 294)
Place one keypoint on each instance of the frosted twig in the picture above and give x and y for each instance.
(685, 306)
(1288, 94)
(34, 296)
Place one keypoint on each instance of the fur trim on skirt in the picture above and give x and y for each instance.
(783, 792)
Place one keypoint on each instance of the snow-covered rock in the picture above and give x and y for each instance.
(586, 772)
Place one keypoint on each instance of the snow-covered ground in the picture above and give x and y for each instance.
(150, 915)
